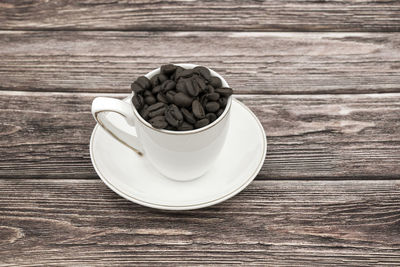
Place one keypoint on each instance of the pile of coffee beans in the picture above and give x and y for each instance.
(180, 99)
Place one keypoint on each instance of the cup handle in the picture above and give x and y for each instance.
(101, 106)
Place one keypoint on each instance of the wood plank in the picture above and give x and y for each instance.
(222, 15)
(309, 136)
(274, 223)
(274, 63)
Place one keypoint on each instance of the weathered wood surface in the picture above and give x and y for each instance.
(70, 222)
(180, 15)
(46, 135)
(278, 63)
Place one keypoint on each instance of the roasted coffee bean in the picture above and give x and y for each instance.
(161, 97)
(216, 82)
(147, 93)
(191, 87)
(156, 89)
(168, 69)
(173, 115)
(137, 101)
(201, 123)
(188, 116)
(144, 82)
(186, 73)
(181, 86)
(210, 89)
(182, 100)
(171, 128)
(223, 101)
(185, 127)
(203, 100)
(203, 71)
(225, 91)
(211, 117)
(200, 83)
(150, 100)
(155, 107)
(212, 106)
(198, 110)
(219, 112)
(213, 96)
(136, 88)
(158, 79)
(144, 113)
(176, 74)
(168, 85)
(158, 122)
(170, 96)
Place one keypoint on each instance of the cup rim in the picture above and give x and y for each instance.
(194, 131)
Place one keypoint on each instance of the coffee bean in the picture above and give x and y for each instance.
(182, 100)
(143, 82)
(216, 82)
(170, 96)
(168, 69)
(185, 127)
(188, 116)
(186, 73)
(136, 88)
(171, 128)
(219, 112)
(158, 122)
(144, 113)
(211, 117)
(181, 86)
(173, 115)
(223, 101)
(225, 91)
(158, 79)
(210, 89)
(168, 85)
(203, 100)
(212, 106)
(201, 123)
(150, 100)
(156, 106)
(213, 96)
(191, 88)
(137, 101)
(203, 71)
(200, 83)
(176, 74)
(147, 93)
(161, 97)
(156, 89)
(198, 110)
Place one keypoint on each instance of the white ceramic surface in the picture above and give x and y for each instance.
(180, 156)
(134, 178)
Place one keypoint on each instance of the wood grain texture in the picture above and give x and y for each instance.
(220, 15)
(309, 136)
(275, 63)
(75, 222)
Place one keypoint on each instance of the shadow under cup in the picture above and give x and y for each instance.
(183, 155)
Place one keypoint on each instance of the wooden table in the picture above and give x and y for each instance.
(323, 77)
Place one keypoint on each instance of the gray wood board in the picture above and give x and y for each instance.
(309, 136)
(279, 15)
(70, 222)
(262, 63)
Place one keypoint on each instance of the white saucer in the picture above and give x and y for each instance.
(134, 178)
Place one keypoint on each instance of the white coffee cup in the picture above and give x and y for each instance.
(178, 155)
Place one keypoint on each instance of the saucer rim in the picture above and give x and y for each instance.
(183, 207)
